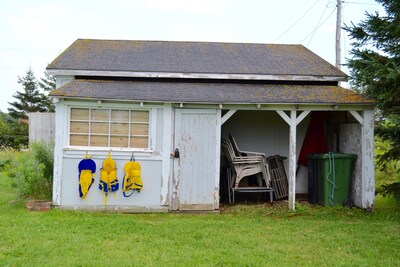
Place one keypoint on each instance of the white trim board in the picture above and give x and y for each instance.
(223, 76)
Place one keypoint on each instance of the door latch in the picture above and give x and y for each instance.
(176, 153)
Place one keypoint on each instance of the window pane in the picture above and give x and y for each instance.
(100, 114)
(98, 140)
(120, 128)
(139, 129)
(139, 142)
(99, 127)
(140, 116)
(78, 140)
(120, 115)
(79, 114)
(119, 141)
(79, 127)
(115, 128)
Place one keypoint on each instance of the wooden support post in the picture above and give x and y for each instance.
(228, 115)
(301, 117)
(292, 160)
(368, 170)
(357, 116)
(293, 121)
(284, 116)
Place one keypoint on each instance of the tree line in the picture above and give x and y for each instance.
(14, 128)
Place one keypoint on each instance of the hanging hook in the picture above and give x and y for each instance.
(133, 157)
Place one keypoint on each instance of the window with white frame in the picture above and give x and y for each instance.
(98, 127)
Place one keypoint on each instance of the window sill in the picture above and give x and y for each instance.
(101, 152)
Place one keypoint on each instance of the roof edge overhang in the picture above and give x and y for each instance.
(231, 105)
(219, 76)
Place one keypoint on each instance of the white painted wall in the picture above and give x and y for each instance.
(267, 132)
(148, 198)
(154, 175)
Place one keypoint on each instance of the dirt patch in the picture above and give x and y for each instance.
(38, 205)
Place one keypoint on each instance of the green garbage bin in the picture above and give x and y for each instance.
(333, 171)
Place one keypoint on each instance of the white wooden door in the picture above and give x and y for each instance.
(196, 171)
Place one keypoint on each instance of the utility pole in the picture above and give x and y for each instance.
(338, 32)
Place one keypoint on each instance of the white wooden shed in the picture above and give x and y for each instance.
(152, 98)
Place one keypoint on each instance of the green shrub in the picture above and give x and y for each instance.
(390, 189)
(2, 164)
(6, 156)
(32, 171)
(387, 175)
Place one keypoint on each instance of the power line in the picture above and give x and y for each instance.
(361, 3)
(296, 22)
(318, 25)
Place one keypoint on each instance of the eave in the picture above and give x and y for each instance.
(216, 76)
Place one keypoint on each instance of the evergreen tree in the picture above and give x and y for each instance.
(29, 100)
(48, 83)
(375, 71)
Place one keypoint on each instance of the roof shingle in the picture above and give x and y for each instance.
(193, 57)
(201, 92)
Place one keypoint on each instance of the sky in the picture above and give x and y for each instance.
(34, 32)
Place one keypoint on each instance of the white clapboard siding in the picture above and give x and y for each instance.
(41, 127)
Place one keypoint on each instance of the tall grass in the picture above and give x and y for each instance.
(31, 171)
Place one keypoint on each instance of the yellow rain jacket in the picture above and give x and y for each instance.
(108, 176)
(132, 180)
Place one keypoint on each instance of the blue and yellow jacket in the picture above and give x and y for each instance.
(108, 176)
(87, 169)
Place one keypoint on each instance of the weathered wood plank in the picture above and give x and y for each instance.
(41, 127)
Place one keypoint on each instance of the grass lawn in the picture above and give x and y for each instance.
(255, 235)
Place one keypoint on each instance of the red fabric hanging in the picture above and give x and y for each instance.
(314, 142)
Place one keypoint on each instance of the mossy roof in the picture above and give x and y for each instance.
(205, 92)
(193, 57)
